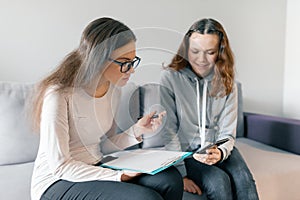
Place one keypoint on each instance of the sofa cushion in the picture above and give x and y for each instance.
(276, 172)
(149, 102)
(18, 143)
(128, 110)
(240, 115)
(15, 181)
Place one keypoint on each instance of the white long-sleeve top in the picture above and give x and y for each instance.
(73, 124)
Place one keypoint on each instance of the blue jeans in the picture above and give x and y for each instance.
(164, 185)
(227, 180)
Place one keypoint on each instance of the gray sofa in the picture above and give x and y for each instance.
(267, 143)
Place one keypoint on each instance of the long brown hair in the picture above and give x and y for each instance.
(84, 64)
(224, 67)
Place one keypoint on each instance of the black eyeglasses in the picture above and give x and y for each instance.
(126, 66)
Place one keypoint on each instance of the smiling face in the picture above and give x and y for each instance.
(112, 73)
(203, 52)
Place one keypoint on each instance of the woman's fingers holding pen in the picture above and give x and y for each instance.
(162, 114)
(154, 115)
(156, 119)
(150, 122)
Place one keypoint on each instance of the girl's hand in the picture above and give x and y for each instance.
(149, 123)
(190, 186)
(212, 156)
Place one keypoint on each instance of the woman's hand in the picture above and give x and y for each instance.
(191, 186)
(127, 176)
(148, 123)
(212, 156)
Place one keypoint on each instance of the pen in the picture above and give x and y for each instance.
(153, 117)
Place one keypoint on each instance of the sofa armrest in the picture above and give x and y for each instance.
(283, 133)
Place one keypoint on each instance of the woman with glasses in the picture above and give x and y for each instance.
(74, 113)
(201, 101)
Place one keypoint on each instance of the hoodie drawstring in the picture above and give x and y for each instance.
(203, 124)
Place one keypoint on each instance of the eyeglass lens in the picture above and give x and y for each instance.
(128, 65)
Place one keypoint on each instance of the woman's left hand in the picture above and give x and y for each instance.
(148, 124)
(211, 157)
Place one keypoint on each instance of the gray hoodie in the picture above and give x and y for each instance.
(185, 97)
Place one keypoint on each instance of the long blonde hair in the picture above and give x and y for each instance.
(85, 64)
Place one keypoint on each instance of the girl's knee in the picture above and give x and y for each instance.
(171, 186)
(219, 183)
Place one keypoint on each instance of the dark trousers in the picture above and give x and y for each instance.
(230, 179)
(164, 185)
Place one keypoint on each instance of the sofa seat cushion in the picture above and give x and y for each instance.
(276, 172)
(15, 181)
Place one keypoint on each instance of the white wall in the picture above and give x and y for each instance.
(291, 106)
(36, 35)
